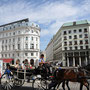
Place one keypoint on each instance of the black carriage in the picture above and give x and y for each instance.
(20, 76)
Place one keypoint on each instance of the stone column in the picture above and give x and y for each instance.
(74, 61)
(63, 58)
(67, 61)
(86, 60)
(79, 61)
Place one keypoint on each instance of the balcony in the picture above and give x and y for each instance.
(75, 37)
(86, 42)
(75, 44)
(65, 44)
(70, 44)
(86, 37)
(65, 38)
(81, 43)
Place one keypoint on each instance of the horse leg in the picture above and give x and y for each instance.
(63, 85)
(67, 82)
(81, 86)
(58, 86)
(87, 85)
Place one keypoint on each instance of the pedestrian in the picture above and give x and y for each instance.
(18, 66)
(23, 65)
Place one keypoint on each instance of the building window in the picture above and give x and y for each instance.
(18, 32)
(70, 42)
(32, 46)
(13, 39)
(19, 46)
(75, 42)
(86, 36)
(13, 33)
(9, 55)
(9, 47)
(70, 37)
(2, 41)
(10, 34)
(2, 48)
(65, 48)
(86, 47)
(36, 46)
(6, 41)
(36, 53)
(80, 36)
(32, 54)
(32, 38)
(85, 29)
(5, 55)
(75, 36)
(75, 47)
(6, 34)
(81, 42)
(13, 55)
(26, 46)
(65, 33)
(69, 31)
(5, 47)
(70, 48)
(13, 47)
(65, 43)
(18, 39)
(75, 31)
(32, 31)
(18, 54)
(26, 54)
(65, 38)
(36, 39)
(80, 30)
(9, 40)
(81, 47)
(86, 41)
(26, 38)
(2, 55)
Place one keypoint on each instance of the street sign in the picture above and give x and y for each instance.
(1, 67)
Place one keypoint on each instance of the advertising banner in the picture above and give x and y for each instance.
(1, 67)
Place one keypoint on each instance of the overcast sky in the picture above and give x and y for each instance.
(49, 14)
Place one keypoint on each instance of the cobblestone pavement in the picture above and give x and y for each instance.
(27, 86)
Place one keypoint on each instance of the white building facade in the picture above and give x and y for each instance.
(20, 40)
(71, 44)
(49, 51)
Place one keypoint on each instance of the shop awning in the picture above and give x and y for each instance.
(7, 60)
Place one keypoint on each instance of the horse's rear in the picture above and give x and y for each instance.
(76, 76)
(73, 75)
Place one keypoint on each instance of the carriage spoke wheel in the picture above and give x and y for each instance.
(6, 82)
(18, 82)
(40, 84)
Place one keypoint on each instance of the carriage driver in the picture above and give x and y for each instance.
(41, 60)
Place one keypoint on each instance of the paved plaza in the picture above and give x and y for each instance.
(27, 86)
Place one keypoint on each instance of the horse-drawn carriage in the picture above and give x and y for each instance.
(34, 76)
(40, 79)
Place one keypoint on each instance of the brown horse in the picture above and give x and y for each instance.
(73, 75)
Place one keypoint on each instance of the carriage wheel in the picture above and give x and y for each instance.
(37, 84)
(18, 82)
(6, 82)
(40, 84)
